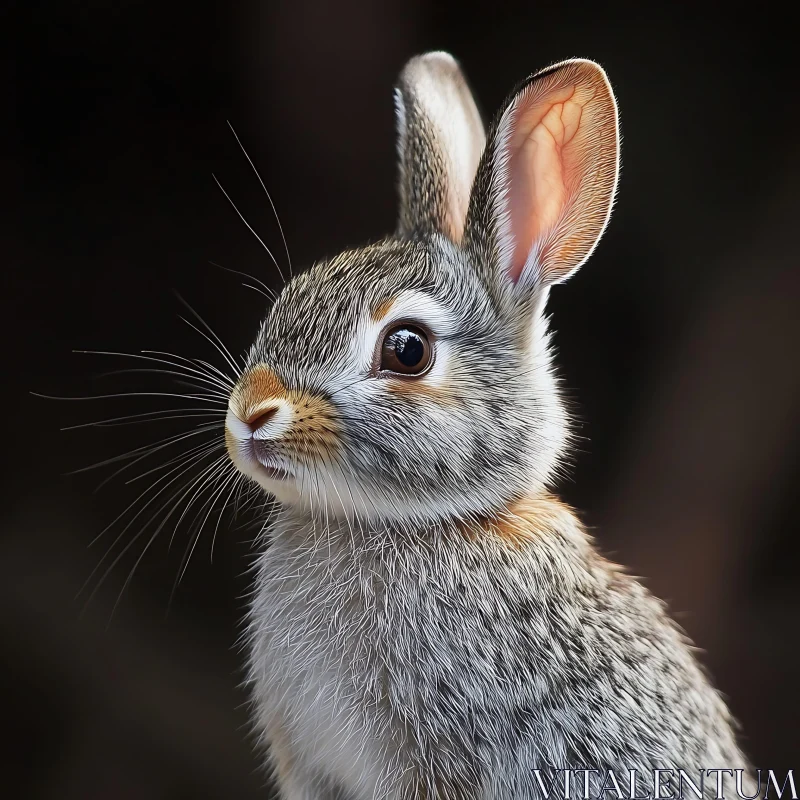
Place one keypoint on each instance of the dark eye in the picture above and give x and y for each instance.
(406, 350)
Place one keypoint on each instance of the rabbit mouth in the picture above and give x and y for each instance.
(256, 459)
(254, 456)
(267, 464)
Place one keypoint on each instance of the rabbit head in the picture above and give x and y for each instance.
(411, 379)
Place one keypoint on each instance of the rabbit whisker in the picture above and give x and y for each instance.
(231, 472)
(188, 367)
(146, 416)
(269, 197)
(144, 551)
(256, 289)
(211, 445)
(187, 380)
(150, 448)
(215, 340)
(210, 481)
(205, 447)
(264, 290)
(187, 462)
(241, 217)
(237, 481)
(200, 364)
(201, 398)
(128, 525)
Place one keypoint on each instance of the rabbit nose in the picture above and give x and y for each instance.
(259, 419)
(269, 419)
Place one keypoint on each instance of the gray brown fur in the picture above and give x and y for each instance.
(447, 626)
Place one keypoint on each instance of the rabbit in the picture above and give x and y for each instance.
(428, 620)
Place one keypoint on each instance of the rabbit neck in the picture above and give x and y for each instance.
(526, 522)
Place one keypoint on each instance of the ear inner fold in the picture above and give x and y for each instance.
(557, 146)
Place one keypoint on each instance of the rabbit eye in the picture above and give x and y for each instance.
(406, 350)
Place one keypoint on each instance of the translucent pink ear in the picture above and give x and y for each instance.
(551, 173)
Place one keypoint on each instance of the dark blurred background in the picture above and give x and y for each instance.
(677, 341)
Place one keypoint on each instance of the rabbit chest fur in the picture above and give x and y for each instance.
(473, 653)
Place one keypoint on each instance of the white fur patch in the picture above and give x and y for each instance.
(238, 429)
(412, 307)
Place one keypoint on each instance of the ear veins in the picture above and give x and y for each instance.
(539, 184)
(554, 172)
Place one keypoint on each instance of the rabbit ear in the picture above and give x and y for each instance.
(546, 183)
(440, 141)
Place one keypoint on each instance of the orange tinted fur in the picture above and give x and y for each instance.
(255, 387)
(444, 395)
(527, 518)
(315, 430)
(382, 309)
